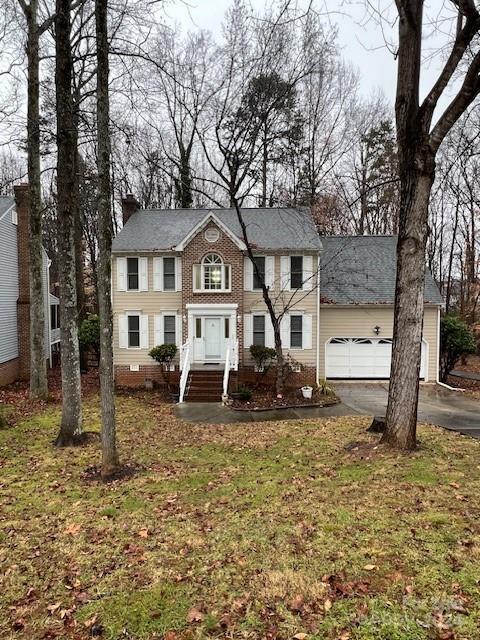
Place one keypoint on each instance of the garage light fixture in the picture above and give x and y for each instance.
(376, 330)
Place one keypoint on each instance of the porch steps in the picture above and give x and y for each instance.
(204, 386)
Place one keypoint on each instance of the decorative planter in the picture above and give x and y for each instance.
(307, 392)
(148, 384)
(236, 395)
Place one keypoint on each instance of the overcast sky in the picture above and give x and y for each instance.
(362, 36)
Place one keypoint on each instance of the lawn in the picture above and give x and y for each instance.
(272, 530)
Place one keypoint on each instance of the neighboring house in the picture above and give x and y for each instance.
(183, 276)
(15, 292)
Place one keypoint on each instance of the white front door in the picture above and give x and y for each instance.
(213, 339)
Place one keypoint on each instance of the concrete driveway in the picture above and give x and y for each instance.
(439, 406)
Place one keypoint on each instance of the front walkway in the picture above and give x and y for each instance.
(215, 413)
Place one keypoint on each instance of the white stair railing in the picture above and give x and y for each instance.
(185, 369)
(234, 358)
(226, 372)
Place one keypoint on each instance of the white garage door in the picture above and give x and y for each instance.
(362, 358)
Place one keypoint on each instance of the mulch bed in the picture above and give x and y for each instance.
(264, 399)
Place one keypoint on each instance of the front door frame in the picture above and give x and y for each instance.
(216, 310)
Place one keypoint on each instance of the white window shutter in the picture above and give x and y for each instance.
(143, 274)
(158, 327)
(270, 271)
(158, 274)
(123, 331)
(285, 331)
(307, 331)
(247, 274)
(121, 274)
(247, 330)
(269, 334)
(144, 332)
(307, 272)
(284, 272)
(178, 330)
(178, 273)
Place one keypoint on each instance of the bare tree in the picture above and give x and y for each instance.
(109, 445)
(38, 367)
(71, 431)
(418, 144)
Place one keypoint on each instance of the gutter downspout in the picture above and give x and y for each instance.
(317, 373)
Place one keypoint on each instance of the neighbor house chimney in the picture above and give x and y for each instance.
(129, 206)
(23, 303)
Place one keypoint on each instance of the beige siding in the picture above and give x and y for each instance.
(359, 322)
(305, 301)
(147, 302)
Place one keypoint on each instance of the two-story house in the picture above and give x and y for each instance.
(183, 276)
(15, 292)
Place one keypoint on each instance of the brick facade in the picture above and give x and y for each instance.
(23, 303)
(193, 253)
(124, 377)
(9, 371)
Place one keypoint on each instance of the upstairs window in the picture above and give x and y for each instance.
(296, 272)
(212, 274)
(132, 274)
(259, 278)
(169, 283)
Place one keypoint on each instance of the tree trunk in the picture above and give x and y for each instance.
(71, 426)
(279, 381)
(401, 419)
(38, 366)
(109, 447)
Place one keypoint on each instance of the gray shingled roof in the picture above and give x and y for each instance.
(362, 270)
(162, 229)
(5, 204)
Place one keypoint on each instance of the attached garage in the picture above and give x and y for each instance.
(357, 295)
(362, 358)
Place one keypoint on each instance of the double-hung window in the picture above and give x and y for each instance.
(132, 274)
(259, 330)
(169, 283)
(258, 272)
(133, 331)
(296, 272)
(296, 331)
(169, 330)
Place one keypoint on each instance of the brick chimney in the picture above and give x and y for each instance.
(129, 207)
(23, 302)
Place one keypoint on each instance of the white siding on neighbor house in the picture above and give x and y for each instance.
(46, 304)
(8, 289)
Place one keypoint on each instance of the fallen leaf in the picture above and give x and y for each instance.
(296, 604)
(72, 529)
(53, 607)
(194, 615)
(370, 567)
(327, 605)
(170, 635)
(143, 533)
(300, 636)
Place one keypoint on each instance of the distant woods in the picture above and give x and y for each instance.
(275, 82)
